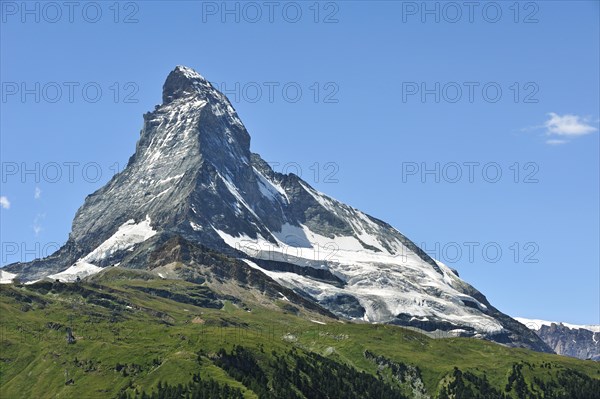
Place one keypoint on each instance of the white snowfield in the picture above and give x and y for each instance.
(127, 236)
(385, 282)
(536, 324)
(6, 277)
(270, 189)
(80, 269)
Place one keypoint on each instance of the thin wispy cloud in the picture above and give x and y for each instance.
(37, 194)
(37, 223)
(4, 202)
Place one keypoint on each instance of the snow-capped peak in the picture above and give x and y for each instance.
(194, 177)
(188, 72)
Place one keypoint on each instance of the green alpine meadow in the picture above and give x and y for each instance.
(131, 334)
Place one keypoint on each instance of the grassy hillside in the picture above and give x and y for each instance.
(132, 332)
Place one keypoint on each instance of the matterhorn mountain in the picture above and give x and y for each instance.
(194, 203)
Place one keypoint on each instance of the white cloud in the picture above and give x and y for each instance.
(37, 226)
(37, 194)
(4, 202)
(560, 129)
(568, 125)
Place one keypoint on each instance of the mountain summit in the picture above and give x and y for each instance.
(194, 203)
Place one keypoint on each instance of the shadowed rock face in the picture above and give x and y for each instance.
(344, 305)
(193, 178)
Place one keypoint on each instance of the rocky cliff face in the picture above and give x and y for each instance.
(582, 342)
(579, 343)
(193, 178)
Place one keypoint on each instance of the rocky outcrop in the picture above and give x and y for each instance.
(574, 342)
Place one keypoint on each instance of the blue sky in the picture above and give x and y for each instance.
(389, 91)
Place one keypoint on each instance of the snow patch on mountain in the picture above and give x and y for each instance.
(236, 194)
(6, 277)
(128, 235)
(316, 289)
(269, 189)
(385, 285)
(189, 72)
(80, 269)
(536, 324)
(320, 198)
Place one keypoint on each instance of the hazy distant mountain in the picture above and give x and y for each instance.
(580, 341)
